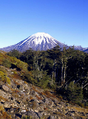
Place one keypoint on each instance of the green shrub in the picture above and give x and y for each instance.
(75, 93)
(4, 78)
(6, 63)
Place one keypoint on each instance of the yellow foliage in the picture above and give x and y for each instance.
(4, 78)
(4, 115)
(8, 80)
(2, 75)
(1, 108)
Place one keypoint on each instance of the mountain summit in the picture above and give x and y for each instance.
(39, 41)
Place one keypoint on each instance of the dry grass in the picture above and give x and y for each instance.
(16, 76)
(31, 98)
(2, 98)
(35, 89)
(79, 109)
(46, 93)
(39, 98)
(1, 108)
(3, 114)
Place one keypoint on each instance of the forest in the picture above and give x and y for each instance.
(64, 71)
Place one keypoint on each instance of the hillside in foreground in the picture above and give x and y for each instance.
(21, 99)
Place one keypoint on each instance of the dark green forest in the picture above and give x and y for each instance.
(64, 71)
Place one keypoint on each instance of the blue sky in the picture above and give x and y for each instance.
(65, 20)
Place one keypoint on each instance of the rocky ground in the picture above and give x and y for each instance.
(20, 99)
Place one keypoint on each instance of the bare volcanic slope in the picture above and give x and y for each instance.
(39, 41)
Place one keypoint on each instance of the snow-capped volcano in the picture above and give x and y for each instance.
(39, 41)
(39, 38)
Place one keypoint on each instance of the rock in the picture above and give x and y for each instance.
(2, 93)
(23, 111)
(5, 88)
(32, 114)
(7, 105)
(33, 104)
(14, 104)
(36, 111)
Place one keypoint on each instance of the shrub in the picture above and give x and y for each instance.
(8, 80)
(6, 63)
(4, 78)
(75, 93)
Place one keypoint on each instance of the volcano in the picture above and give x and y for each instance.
(39, 41)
